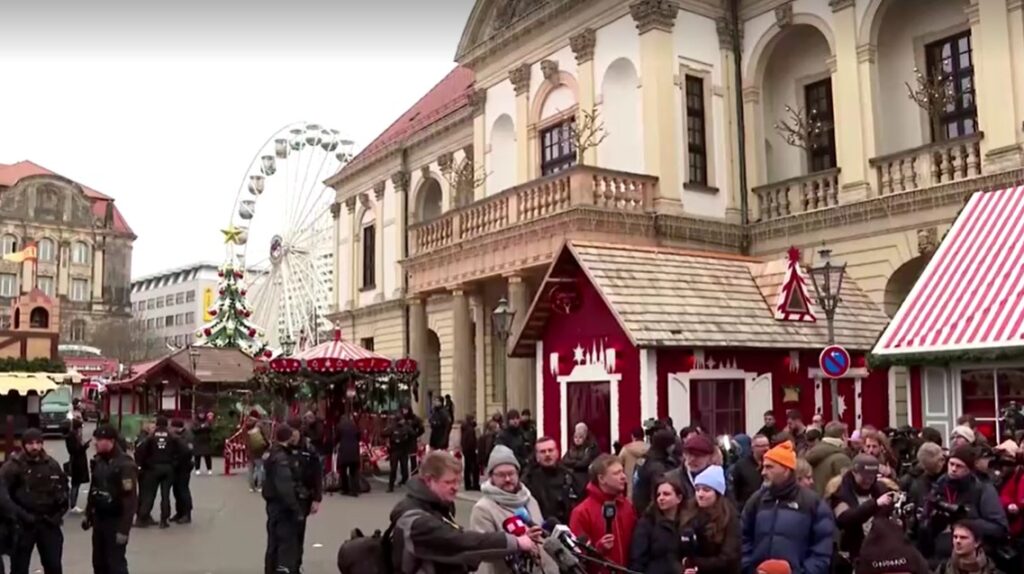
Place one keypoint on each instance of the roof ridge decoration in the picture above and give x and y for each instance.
(793, 303)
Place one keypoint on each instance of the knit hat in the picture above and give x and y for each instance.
(32, 435)
(699, 444)
(1008, 448)
(963, 431)
(774, 567)
(865, 464)
(713, 477)
(966, 455)
(499, 456)
(886, 551)
(782, 455)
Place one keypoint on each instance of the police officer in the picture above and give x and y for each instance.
(183, 474)
(157, 456)
(38, 488)
(311, 483)
(112, 499)
(286, 514)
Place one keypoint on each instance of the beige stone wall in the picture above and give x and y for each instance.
(439, 320)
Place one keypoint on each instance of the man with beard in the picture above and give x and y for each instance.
(513, 437)
(38, 488)
(653, 467)
(746, 473)
(502, 496)
(698, 454)
(769, 430)
(552, 484)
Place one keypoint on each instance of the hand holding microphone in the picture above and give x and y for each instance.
(608, 540)
(517, 528)
(532, 530)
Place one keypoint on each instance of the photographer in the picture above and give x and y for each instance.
(919, 482)
(858, 497)
(710, 527)
(959, 495)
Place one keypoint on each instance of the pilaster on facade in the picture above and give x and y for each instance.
(997, 108)
(478, 101)
(520, 78)
(654, 15)
(583, 44)
(463, 356)
(519, 371)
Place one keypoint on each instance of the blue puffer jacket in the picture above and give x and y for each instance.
(788, 523)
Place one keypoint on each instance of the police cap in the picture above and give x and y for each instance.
(105, 432)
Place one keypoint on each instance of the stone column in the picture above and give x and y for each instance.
(850, 116)
(400, 181)
(418, 346)
(480, 357)
(519, 371)
(582, 45)
(335, 305)
(520, 78)
(478, 101)
(993, 80)
(730, 180)
(463, 357)
(97, 274)
(661, 114)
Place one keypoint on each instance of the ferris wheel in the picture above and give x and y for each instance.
(283, 234)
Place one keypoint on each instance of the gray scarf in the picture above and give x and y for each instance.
(508, 500)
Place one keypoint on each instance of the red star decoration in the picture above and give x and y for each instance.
(794, 255)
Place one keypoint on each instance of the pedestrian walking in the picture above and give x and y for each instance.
(257, 442)
(38, 489)
(78, 462)
(111, 503)
(158, 456)
(202, 447)
(183, 474)
(285, 514)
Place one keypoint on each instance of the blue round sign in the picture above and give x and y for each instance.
(834, 362)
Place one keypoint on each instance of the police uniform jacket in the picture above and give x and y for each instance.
(37, 486)
(160, 449)
(114, 490)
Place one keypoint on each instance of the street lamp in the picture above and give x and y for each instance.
(828, 282)
(193, 359)
(501, 320)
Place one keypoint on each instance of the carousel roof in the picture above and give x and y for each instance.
(337, 348)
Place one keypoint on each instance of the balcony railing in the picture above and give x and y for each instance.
(796, 195)
(581, 186)
(927, 165)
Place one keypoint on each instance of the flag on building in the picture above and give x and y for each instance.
(28, 253)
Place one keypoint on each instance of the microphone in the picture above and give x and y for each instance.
(562, 556)
(609, 516)
(514, 526)
(562, 533)
(516, 562)
(524, 515)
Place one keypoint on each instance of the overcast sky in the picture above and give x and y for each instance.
(161, 105)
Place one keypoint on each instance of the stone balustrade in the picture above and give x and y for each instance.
(797, 195)
(928, 165)
(577, 187)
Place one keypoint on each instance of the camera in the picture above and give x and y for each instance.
(949, 510)
(905, 441)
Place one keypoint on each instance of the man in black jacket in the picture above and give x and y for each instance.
(745, 475)
(440, 426)
(426, 537)
(856, 502)
(282, 490)
(652, 468)
(310, 478)
(513, 437)
(550, 482)
(157, 457)
(183, 474)
(113, 496)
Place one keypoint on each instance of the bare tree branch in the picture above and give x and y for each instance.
(589, 132)
(128, 342)
(801, 129)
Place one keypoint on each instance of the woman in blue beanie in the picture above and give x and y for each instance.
(710, 524)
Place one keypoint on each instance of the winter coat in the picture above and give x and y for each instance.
(649, 473)
(587, 519)
(852, 520)
(348, 442)
(440, 426)
(984, 509)
(78, 458)
(468, 439)
(655, 546)
(788, 523)
(715, 557)
(1013, 493)
(485, 446)
(949, 567)
(202, 437)
(578, 459)
(438, 540)
(685, 478)
(488, 515)
(515, 439)
(827, 461)
(631, 453)
(745, 479)
(554, 489)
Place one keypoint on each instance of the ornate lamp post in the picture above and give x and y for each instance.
(193, 359)
(828, 283)
(501, 320)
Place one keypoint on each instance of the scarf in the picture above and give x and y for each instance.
(508, 500)
(975, 563)
(836, 442)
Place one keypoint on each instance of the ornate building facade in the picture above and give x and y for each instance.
(738, 127)
(84, 249)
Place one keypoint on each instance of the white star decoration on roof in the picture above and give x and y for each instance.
(577, 354)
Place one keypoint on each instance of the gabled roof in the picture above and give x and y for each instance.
(10, 175)
(666, 297)
(216, 364)
(970, 296)
(450, 95)
(140, 372)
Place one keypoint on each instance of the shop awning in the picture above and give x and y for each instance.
(970, 296)
(71, 376)
(25, 383)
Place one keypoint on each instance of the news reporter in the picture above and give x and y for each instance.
(502, 495)
(605, 516)
(655, 547)
(711, 525)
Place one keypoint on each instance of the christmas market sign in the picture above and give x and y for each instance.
(834, 362)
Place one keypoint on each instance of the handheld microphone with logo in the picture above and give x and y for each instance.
(609, 516)
(524, 515)
(565, 536)
(517, 562)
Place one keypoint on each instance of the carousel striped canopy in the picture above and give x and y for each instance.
(337, 349)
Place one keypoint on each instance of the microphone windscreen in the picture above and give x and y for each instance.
(524, 515)
(549, 525)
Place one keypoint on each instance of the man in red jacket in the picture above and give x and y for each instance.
(605, 516)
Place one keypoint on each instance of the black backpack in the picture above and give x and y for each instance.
(362, 554)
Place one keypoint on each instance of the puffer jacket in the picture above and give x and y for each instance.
(587, 519)
(439, 545)
(655, 546)
(827, 461)
(788, 523)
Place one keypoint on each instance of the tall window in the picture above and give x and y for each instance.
(169, 321)
(369, 256)
(79, 289)
(78, 330)
(151, 304)
(696, 137)
(150, 323)
(8, 284)
(720, 404)
(8, 244)
(45, 284)
(557, 147)
(190, 318)
(46, 250)
(80, 253)
(818, 100)
(954, 57)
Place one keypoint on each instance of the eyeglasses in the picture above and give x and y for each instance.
(508, 475)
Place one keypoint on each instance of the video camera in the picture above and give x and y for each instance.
(904, 441)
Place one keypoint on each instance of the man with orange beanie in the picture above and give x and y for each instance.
(786, 522)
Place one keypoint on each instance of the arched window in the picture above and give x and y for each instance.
(8, 244)
(46, 249)
(77, 334)
(80, 253)
(39, 318)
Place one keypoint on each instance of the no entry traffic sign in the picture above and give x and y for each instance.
(834, 362)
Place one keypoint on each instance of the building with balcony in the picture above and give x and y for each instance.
(747, 131)
(83, 250)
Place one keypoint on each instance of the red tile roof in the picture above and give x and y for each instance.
(449, 96)
(12, 174)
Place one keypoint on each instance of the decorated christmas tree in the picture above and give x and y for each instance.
(230, 326)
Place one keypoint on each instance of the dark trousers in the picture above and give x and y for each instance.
(45, 536)
(203, 458)
(300, 531)
(108, 557)
(161, 477)
(283, 541)
(471, 473)
(182, 492)
(349, 475)
(396, 460)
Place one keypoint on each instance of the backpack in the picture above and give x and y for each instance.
(373, 555)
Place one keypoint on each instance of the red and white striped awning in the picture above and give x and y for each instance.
(971, 294)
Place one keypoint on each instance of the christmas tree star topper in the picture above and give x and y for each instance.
(232, 234)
